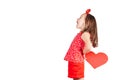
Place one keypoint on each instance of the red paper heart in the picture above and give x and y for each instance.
(96, 60)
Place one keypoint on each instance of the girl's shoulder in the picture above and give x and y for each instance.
(85, 35)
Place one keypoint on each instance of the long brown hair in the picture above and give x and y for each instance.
(91, 27)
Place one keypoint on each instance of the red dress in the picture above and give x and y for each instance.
(75, 58)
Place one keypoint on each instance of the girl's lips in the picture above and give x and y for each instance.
(77, 22)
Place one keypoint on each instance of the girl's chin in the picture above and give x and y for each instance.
(77, 26)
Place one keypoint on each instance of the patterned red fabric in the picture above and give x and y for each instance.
(75, 51)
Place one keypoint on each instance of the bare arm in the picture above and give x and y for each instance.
(88, 45)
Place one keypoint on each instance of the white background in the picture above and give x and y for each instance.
(35, 36)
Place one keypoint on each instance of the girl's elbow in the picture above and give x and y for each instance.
(87, 49)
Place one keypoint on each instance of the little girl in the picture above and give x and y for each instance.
(81, 44)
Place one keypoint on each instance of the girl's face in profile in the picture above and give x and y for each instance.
(81, 22)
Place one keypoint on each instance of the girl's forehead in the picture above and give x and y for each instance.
(83, 15)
